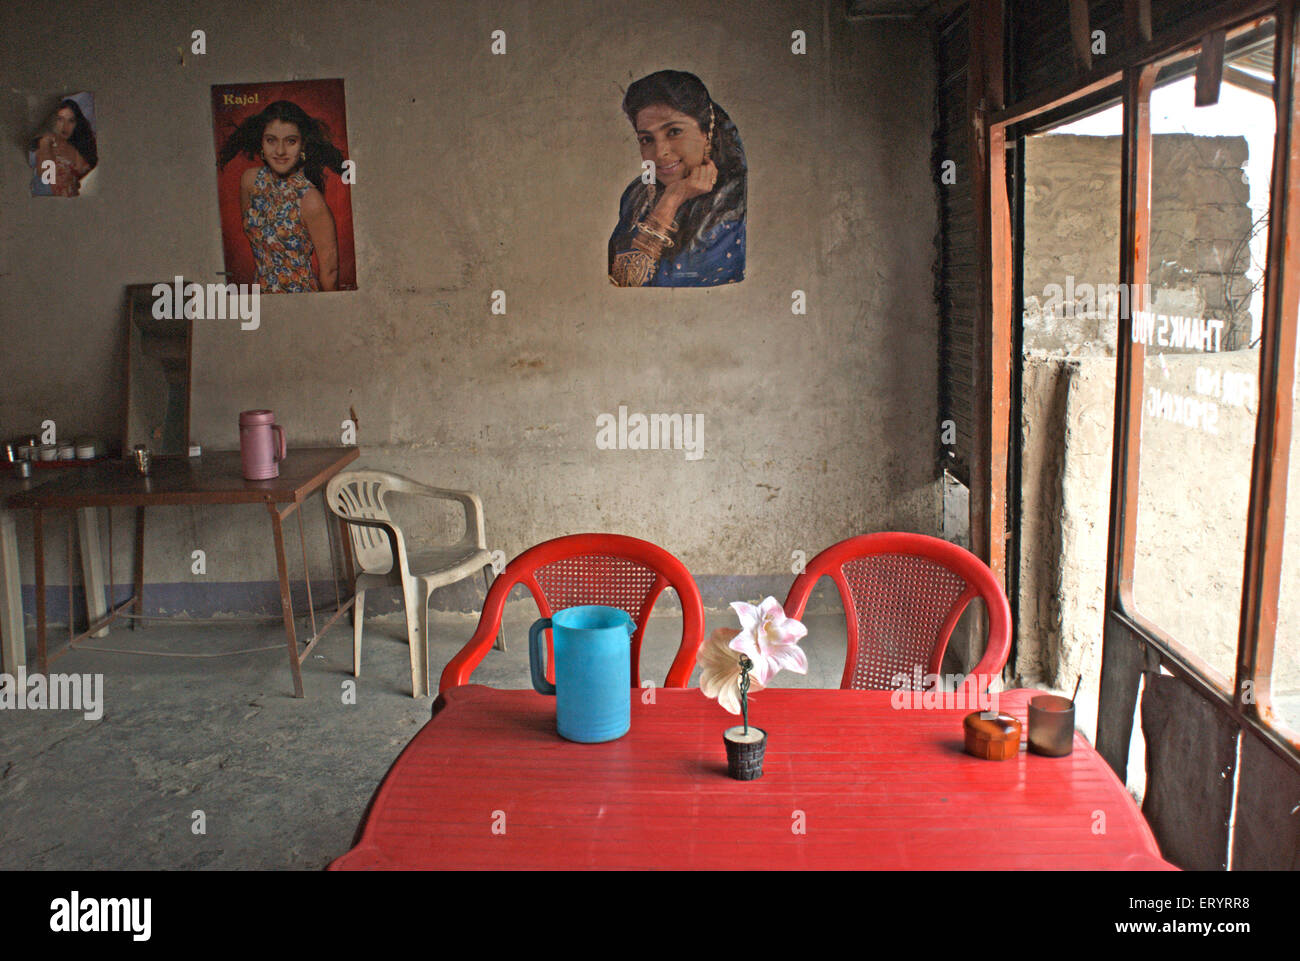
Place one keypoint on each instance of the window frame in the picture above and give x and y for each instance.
(1135, 72)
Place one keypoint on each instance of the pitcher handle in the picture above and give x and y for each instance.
(540, 684)
(283, 446)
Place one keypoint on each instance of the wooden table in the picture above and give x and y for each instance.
(214, 478)
(849, 782)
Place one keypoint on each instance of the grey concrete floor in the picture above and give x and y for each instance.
(218, 742)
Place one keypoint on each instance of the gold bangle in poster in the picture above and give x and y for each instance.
(632, 268)
(648, 245)
(663, 238)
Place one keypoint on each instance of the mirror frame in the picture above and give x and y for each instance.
(140, 297)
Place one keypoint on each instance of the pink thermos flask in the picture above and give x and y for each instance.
(261, 444)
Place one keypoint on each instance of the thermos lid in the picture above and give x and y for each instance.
(253, 418)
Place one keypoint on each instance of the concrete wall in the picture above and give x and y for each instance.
(1200, 219)
(478, 173)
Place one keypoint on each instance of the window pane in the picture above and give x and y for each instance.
(1071, 252)
(1211, 169)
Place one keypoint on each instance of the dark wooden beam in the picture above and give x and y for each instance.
(1209, 69)
(1108, 70)
(988, 493)
(1081, 34)
(1137, 21)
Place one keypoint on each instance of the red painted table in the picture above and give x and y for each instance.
(487, 783)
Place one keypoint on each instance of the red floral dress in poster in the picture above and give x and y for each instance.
(282, 248)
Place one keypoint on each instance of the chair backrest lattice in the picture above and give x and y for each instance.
(363, 498)
(902, 603)
(611, 570)
(903, 594)
(598, 579)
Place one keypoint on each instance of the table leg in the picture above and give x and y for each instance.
(72, 624)
(286, 602)
(137, 608)
(306, 573)
(12, 631)
(38, 562)
(92, 566)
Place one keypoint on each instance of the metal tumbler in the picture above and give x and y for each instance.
(1051, 725)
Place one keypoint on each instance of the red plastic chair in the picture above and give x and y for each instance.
(608, 569)
(903, 594)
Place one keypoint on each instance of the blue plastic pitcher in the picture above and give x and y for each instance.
(593, 671)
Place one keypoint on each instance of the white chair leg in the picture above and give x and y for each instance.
(358, 616)
(424, 639)
(488, 575)
(419, 660)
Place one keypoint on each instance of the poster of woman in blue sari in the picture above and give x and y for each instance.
(682, 223)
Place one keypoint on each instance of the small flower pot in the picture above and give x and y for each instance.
(745, 751)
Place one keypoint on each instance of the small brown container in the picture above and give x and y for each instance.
(745, 752)
(992, 739)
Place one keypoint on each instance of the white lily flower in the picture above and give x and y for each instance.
(720, 670)
(770, 639)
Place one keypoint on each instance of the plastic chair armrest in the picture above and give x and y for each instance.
(460, 667)
(396, 543)
(473, 505)
(989, 667)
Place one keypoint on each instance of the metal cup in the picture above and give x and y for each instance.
(1051, 725)
(142, 458)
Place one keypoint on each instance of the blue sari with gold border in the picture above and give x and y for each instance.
(715, 256)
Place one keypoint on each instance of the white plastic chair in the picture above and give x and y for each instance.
(358, 498)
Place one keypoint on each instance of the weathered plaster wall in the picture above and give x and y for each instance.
(478, 173)
(1067, 423)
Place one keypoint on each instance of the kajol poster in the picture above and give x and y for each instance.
(283, 184)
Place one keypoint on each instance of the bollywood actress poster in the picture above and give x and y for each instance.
(284, 185)
(65, 152)
(682, 222)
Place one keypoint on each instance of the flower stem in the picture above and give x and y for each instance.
(745, 665)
